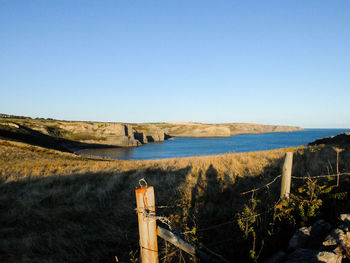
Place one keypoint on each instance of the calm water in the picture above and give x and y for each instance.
(184, 147)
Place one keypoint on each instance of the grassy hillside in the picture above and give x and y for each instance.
(59, 207)
(117, 134)
(192, 129)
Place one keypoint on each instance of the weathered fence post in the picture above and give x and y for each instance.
(147, 224)
(188, 248)
(286, 175)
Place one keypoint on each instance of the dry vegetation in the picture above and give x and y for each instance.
(59, 207)
(193, 129)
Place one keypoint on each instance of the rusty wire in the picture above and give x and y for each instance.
(294, 177)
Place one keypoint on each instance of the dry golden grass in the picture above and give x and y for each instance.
(19, 160)
(59, 207)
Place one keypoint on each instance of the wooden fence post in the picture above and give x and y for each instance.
(286, 175)
(147, 224)
(188, 248)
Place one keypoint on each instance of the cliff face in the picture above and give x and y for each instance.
(87, 133)
(248, 128)
(124, 134)
(114, 134)
(189, 129)
(149, 132)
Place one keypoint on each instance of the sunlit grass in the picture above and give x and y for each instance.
(56, 207)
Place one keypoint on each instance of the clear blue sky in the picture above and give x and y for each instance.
(271, 62)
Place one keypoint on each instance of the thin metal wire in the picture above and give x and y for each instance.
(147, 210)
(320, 176)
(167, 222)
(294, 177)
(252, 191)
(209, 228)
(233, 221)
(259, 188)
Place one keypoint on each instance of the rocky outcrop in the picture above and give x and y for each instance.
(150, 133)
(249, 128)
(141, 137)
(88, 133)
(191, 129)
(155, 135)
(114, 134)
(303, 255)
(318, 243)
(24, 134)
(300, 238)
(342, 139)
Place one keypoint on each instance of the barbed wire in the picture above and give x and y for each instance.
(209, 228)
(149, 211)
(259, 188)
(294, 177)
(233, 221)
(165, 220)
(319, 176)
(149, 214)
(170, 206)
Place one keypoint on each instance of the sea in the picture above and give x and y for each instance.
(185, 147)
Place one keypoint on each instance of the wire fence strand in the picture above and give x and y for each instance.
(295, 177)
(320, 176)
(259, 188)
(167, 222)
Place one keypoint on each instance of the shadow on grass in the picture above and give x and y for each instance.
(76, 218)
(91, 217)
(215, 201)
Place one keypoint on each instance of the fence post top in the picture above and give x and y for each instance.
(143, 183)
(143, 189)
(143, 186)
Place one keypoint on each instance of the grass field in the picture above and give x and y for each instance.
(59, 207)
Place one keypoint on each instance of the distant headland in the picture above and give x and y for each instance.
(74, 135)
